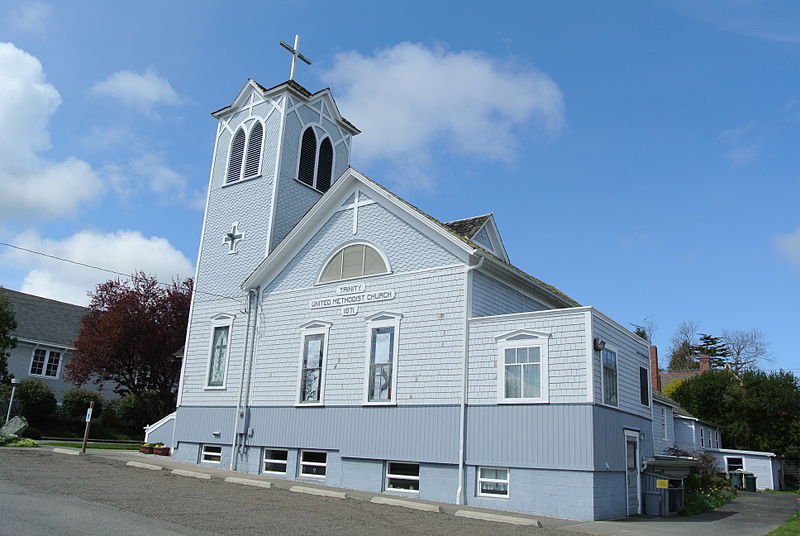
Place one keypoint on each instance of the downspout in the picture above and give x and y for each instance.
(250, 305)
(462, 424)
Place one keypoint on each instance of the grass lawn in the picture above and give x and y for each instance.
(790, 528)
(77, 445)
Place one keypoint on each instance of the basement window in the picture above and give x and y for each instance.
(275, 461)
(211, 454)
(492, 482)
(313, 463)
(402, 476)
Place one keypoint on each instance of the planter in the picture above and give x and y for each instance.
(161, 451)
(146, 449)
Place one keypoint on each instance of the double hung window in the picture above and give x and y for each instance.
(492, 482)
(211, 454)
(609, 366)
(402, 476)
(663, 424)
(644, 386)
(45, 363)
(313, 463)
(382, 329)
(522, 364)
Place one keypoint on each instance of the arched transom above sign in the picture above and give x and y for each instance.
(353, 261)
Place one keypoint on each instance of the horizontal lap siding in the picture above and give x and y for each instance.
(491, 297)
(661, 445)
(631, 355)
(684, 433)
(567, 354)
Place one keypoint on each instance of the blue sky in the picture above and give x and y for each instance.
(641, 156)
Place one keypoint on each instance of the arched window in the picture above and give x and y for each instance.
(236, 156)
(253, 162)
(308, 156)
(357, 260)
(325, 167)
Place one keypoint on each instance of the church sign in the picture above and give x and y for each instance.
(351, 300)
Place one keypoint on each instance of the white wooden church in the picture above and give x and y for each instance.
(339, 335)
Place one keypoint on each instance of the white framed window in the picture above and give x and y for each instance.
(522, 367)
(733, 464)
(211, 454)
(219, 352)
(702, 437)
(313, 463)
(382, 344)
(314, 348)
(719, 443)
(663, 423)
(493, 482)
(354, 261)
(45, 363)
(608, 365)
(275, 461)
(402, 476)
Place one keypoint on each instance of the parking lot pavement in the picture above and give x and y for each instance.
(103, 486)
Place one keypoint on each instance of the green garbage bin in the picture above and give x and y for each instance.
(736, 479)
(749, 482)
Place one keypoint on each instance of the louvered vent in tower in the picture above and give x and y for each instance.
(325, 167)
(254, 151)
(235, 161)
(308, 153)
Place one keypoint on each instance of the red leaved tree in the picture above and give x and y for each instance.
(129, 338)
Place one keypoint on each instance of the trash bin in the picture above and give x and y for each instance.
(749, 482)
(736, 479)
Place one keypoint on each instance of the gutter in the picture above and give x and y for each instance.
(462, 424)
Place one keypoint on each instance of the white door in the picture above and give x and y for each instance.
(632, 473)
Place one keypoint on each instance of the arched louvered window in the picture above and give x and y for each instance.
(253, 161)
(308, 156)
(356, 260)
(236, 156)
(325, 165)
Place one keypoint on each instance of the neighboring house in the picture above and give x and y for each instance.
(45, 333)
(340, 335)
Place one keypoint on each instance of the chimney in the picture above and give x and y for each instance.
(655, 376)
(705, 363)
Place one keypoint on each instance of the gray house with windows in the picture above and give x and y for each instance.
(45, 333)
(340, 335)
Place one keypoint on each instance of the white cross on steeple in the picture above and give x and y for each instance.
(234, 236)
(357, 202)
(295, 50)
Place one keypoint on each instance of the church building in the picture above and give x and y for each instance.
(339, 335)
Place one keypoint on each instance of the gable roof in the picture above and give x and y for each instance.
(468, 226)
(661, 398)
(44, 320)
(447, 233)
(298, 91)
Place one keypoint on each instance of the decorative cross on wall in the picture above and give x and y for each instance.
(358, 201)
(233, 237)
(295, 50)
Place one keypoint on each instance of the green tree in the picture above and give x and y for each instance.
(75, 402)
(8, 324)
(37, 403)
(755, 410)
(715, 348)
(682, 350)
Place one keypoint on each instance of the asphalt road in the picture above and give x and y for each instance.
(42, 493)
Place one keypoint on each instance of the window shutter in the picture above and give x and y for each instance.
(308, 154)
(235, 161)
(254, 151)
(325, 168)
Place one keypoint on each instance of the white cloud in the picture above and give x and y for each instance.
(32, 186)
(121, 251)
(162, 179)
(740, 149)
(31, 17)
(788, 245)
(412, 101)
(769, 21)
(140, 91)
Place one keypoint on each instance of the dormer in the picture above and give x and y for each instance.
(481, 230)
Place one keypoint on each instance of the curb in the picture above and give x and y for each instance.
(193, 474)
(318, 491)
(249, 482)
(500, 518)
(379, 499)
(72, 452)
(142, 465)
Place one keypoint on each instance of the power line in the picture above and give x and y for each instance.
(85, 265)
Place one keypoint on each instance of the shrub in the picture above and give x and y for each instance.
(132, 411)
(109, 416)
(32, 432)
(10, 440)
(37, 403)
(76, 402)
(705, 500)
